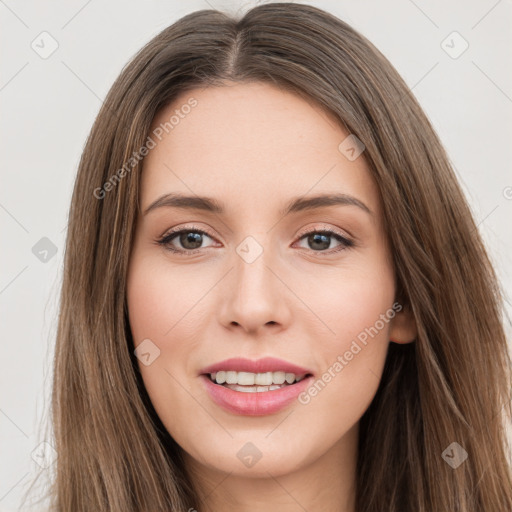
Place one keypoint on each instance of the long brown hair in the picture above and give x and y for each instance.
(452, 385)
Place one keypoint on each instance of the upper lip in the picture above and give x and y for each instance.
(266, 364)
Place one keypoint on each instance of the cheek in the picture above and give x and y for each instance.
(349, 303)
(358, 309)
(165, 306)
(162, 302)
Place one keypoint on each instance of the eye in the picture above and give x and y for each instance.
(319, 240)
(190, 240)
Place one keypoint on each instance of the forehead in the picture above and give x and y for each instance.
(249, 144)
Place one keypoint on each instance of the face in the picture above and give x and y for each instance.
(311, 285)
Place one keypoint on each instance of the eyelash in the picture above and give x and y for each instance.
(166, 239)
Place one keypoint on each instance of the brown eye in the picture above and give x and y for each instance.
(189, 239)
(320, 241)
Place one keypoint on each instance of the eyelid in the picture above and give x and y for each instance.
(325, 227)
(192, 227)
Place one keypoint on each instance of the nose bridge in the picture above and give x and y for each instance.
(254, 296)
(251, 272)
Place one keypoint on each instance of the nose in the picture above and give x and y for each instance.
(254, 296)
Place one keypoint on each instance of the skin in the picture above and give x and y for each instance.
(254, 147)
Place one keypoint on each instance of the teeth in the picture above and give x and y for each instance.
(245, 378)
(290, 378)
(255, 379)
(278, 377)
(255, 389)
(263, 379)
(231, 377)
(220, 377)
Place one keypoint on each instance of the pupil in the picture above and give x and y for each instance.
(318, 238)
(194, 238)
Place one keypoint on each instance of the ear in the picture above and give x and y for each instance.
(403, 327)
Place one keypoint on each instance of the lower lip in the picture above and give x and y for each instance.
(257, 403)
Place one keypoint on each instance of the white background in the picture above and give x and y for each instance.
(48, 107)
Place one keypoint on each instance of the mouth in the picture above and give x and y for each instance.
(255, 394)
(255, 387)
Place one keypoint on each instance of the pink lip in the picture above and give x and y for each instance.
(254, 404)
(258, 403)
(266, 364)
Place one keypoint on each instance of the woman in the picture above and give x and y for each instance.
(275, 294)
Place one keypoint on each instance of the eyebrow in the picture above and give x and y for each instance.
(298, 204)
